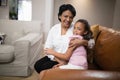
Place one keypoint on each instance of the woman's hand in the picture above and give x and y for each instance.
(77, 42)
(49, 51)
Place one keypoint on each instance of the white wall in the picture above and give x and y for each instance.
(4, 12)
(38, 10)
(95, 11)
(116, 22)
(43, 10)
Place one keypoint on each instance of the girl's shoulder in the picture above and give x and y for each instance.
(55, 28)
(76, 36)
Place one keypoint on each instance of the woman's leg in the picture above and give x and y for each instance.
(44, 63)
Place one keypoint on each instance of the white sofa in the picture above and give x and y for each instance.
(22, 47)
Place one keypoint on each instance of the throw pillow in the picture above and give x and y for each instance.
(2, 38)
(95, 30)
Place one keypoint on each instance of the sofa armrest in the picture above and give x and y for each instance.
(58, 74)
(21, 54)
(23, 48)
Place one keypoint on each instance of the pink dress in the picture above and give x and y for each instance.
(78, 60)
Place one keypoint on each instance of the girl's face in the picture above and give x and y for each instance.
(79, 29)
(66, 19)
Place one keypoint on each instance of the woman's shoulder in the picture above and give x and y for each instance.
(55, 28)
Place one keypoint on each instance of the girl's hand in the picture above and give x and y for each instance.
(49, 51)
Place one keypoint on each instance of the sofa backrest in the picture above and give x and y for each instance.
(107, 49)
(15, 29)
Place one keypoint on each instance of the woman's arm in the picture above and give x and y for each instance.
(73, 44)
(78, 42)
(64, 56)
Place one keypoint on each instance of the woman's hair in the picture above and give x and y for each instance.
(65, 7)
(87, 28)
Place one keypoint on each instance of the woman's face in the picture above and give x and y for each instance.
(79, 29)
(66, 19)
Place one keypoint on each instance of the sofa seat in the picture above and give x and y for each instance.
(6, 53)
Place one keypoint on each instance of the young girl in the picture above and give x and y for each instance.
(77, 57)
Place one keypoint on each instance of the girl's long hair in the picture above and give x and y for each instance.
(87, 36)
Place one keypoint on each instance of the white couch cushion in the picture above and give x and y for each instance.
(32, 37)
(6, 53)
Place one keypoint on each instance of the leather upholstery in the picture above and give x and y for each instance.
(107, 49)
(57, 74)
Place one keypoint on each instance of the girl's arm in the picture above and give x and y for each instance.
(60, 61)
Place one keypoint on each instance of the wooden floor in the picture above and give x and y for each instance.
(34, 76)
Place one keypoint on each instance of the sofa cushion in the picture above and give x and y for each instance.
(107, 49)
(6, 53)
(32, 37)
(16, 35)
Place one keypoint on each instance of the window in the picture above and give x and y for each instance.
(25, 10)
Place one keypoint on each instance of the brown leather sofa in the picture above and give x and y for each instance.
(105, 64)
